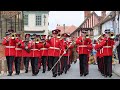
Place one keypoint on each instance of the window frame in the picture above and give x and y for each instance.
(38, 20)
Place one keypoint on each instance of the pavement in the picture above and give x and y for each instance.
(73, 73)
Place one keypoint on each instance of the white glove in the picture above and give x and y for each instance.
(26, 47)
(64, 52)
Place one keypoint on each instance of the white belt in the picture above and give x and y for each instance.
(82, 46)
(43, 49)
(10, 46)
(54, 48)
(107, 47)
(34, 49)
(18, 48)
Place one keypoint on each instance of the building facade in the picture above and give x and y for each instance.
(10, 20)
(91, 19)
(117, 22)
(36, 22)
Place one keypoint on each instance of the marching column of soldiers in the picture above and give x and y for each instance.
(54, 52)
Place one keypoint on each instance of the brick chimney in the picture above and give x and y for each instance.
(86, 14)
(103, 13)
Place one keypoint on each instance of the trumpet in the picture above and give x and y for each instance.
(37, 40)
(112, 36)
(87, 36)
(13, 35)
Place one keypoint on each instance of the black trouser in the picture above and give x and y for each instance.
(34, 64)
(118, 53)
(69, 62)
(10, 60)
(53, 61)
(83, 63)
(50, 63)
(107, 65)
(44, 60)
(102, 65)
(62, 64)
(17, 64)
(65, 64)
(26, 62)
(98, 62)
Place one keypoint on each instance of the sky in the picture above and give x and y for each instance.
(67, 18)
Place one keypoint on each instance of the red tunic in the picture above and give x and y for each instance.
(10, 46)
(18, 49)
(24, 52)
(107, 47)
(55, 47)
(84, 46)
(43, 48)
(34, 50)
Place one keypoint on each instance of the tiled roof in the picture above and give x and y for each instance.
(99, 17)
(68, 29)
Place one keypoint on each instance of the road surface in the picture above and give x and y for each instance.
(73, 73)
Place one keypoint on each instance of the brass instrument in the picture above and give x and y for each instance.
(13, 35)
(112, 36)
(37, 40)
(26, 46)
(87, 36)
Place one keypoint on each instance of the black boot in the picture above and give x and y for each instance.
(17, 73)
(26, 71)
(43, 71)
(110, 75)
(10, 74)
(54, 75)
(59, 73)
(66, 72)
(81, 74)
(85, 74)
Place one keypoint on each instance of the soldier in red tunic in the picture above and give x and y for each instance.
(18, 54)
(84, 44)
(26, 46)
(107, 49)
(68, 46)
(9, 42)
(34, 55)
(43, 45)
(54, 53)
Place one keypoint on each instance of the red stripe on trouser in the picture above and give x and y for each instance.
(111, 68)
(100, 64)
(87, 64)
(61, 61)
(39, 63)
(103, 66)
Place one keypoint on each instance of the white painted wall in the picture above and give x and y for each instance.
(32, 24)
(108, 25)
(96, 32)
(117, 22)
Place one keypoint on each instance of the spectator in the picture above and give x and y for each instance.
(94, 53)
